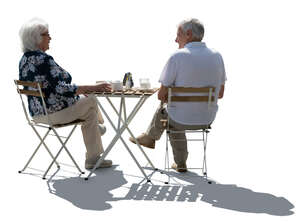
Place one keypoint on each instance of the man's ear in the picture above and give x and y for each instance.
(189, 34)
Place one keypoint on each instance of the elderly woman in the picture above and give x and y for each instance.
(61, 97)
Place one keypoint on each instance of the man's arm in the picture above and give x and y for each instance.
(163, 93)
(221, 93)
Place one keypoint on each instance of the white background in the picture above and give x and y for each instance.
(254, 142)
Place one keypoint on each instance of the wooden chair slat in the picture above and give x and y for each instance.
(191, 99)
(192, 90)
(30, 93)
(27, 83)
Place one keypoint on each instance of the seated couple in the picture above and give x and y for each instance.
(192, 65)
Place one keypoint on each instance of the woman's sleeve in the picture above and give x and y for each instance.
(57, 80)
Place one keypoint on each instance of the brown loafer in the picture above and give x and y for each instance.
(179, 168)
(144, 140)
(104, 164)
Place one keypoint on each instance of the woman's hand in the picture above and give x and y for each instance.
(103, 87)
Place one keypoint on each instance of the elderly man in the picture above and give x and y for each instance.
(192, 65)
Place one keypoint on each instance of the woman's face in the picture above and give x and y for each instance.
(44, 44)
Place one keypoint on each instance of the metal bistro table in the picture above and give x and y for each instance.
(142, 96)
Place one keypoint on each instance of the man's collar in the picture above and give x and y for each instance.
(194, 44)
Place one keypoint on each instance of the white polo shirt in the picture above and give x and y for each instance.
(195, 65)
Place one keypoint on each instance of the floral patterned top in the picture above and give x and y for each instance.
(37, 66)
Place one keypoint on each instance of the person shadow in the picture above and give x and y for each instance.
(93, 194)
(226, 196)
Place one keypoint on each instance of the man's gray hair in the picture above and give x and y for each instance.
(195, 25)
(30, 34)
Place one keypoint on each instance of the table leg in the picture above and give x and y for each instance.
(119, 131)
(135, 110)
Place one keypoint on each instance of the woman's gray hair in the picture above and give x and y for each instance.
(195, 25)
(30, 34)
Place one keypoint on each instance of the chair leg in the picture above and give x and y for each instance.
(42, 142)
(45, 174)
(167, 163)
(63, 147)
(204, 168)
(68, 152)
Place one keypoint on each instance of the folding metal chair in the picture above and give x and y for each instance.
(188, 95)
(34, 89)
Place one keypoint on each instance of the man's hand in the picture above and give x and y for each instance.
(163, 94)
(221, 92)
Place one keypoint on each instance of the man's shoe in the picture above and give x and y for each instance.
(105, 164)
(179, 168)
(144, 140)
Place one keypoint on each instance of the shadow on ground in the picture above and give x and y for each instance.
(226, 196)
(94, 194)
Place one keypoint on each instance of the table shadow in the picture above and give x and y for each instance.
(226, 196)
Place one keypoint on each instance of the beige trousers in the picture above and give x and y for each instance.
(177, 140)
(85, 109)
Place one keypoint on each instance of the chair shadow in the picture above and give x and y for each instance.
(226, 196)
(93, 194)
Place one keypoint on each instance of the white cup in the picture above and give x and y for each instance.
(145, 83)
(116, 85)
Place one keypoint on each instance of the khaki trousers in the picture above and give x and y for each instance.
(156, 129)
(85, 109)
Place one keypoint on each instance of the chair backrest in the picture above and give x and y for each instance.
(208, 97)
(203, 94)
(34, 89)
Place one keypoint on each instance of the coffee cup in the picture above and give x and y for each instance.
(145, 83)
(116, 85)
